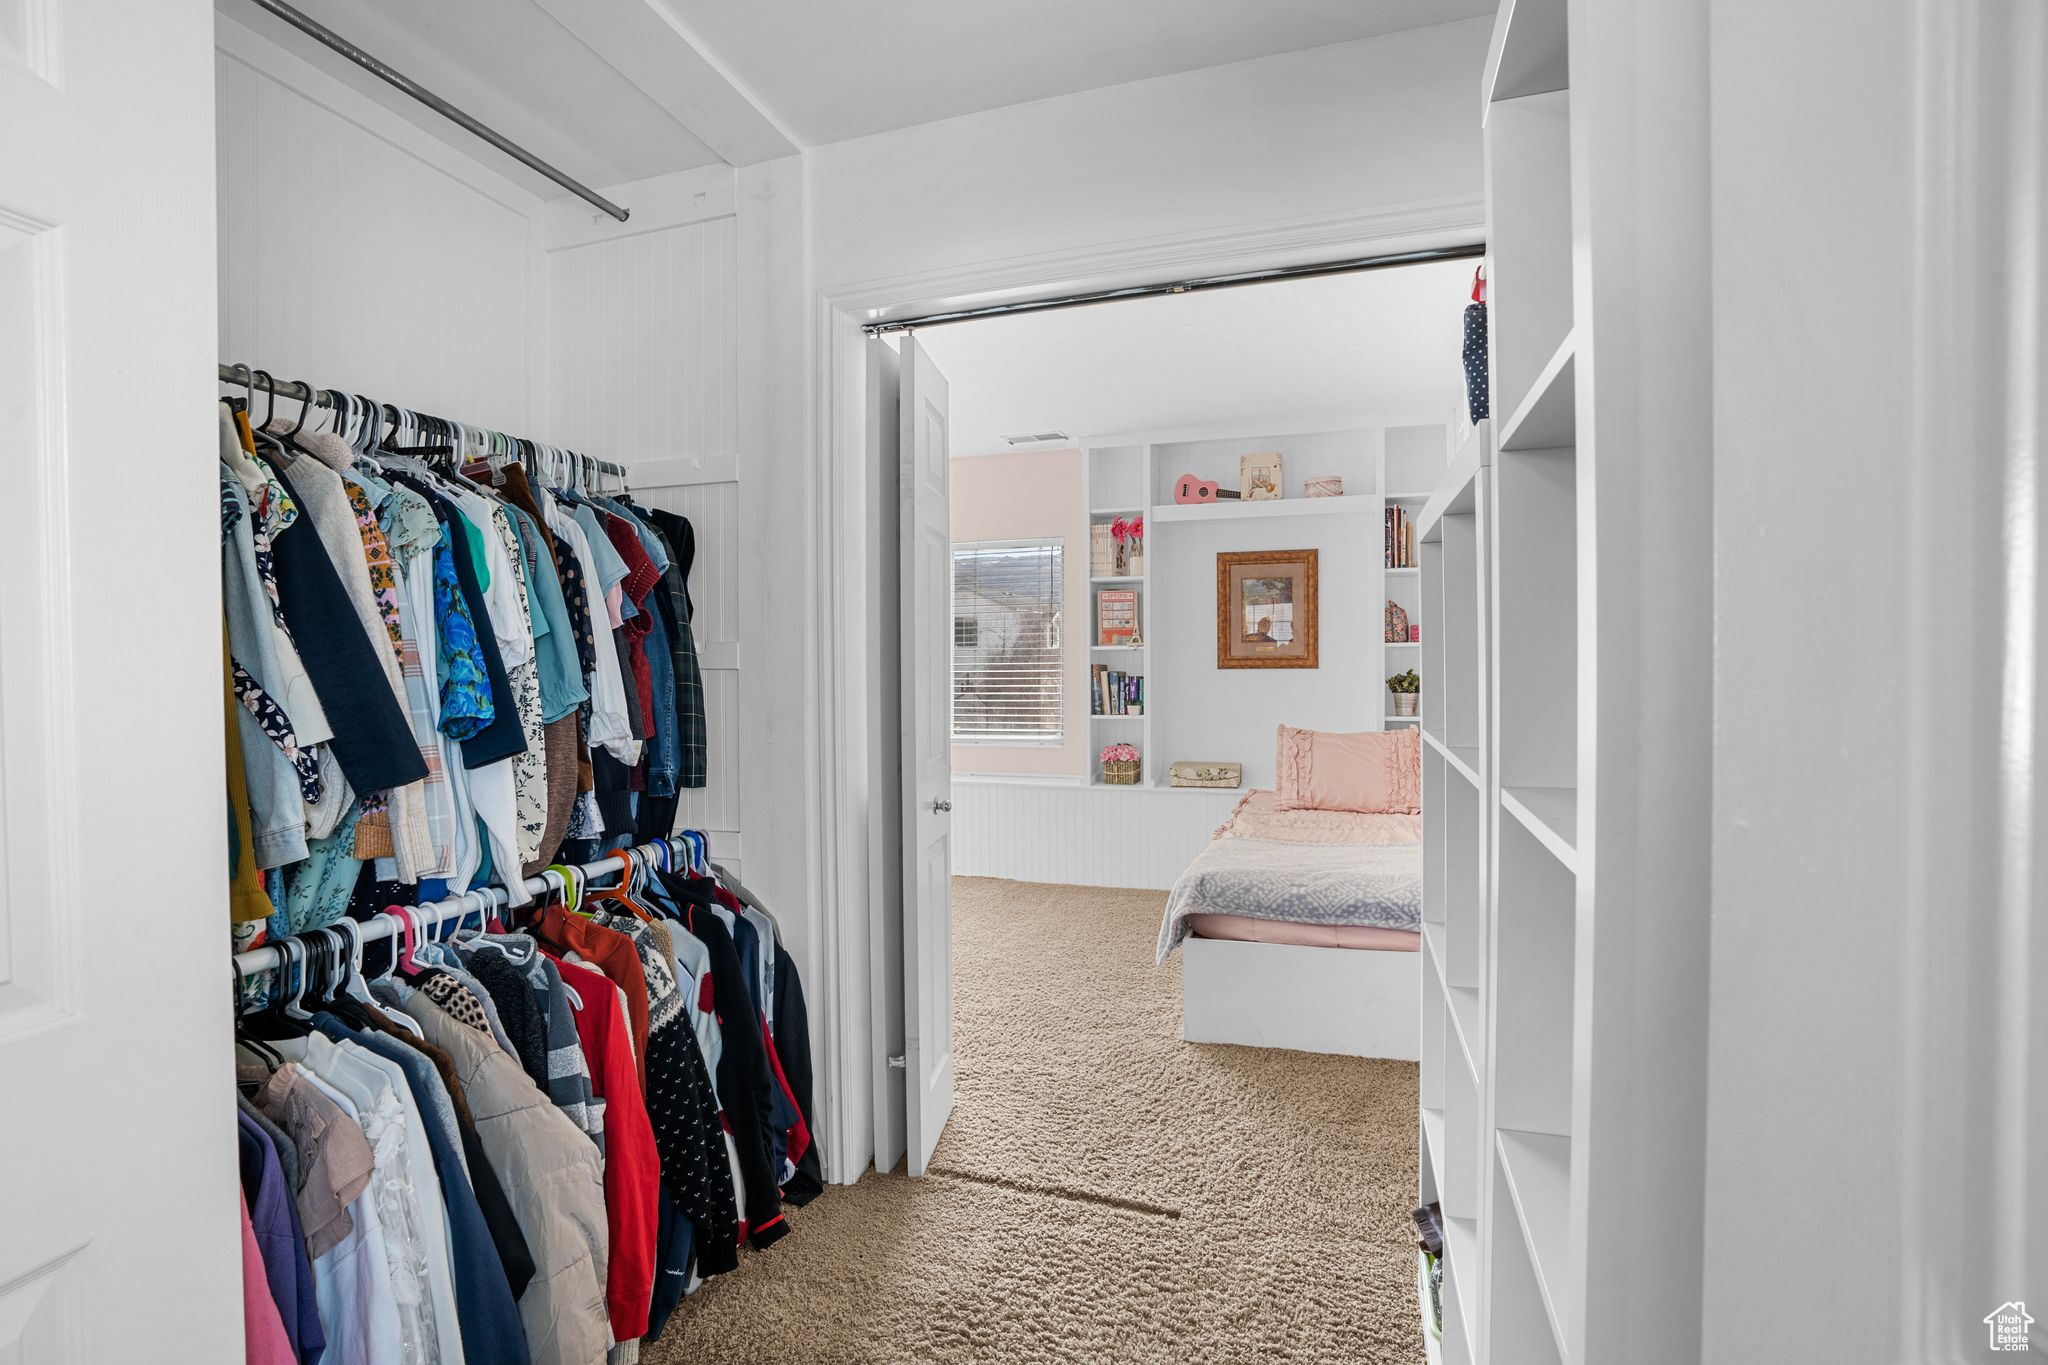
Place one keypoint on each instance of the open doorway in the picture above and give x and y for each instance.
(1088, 651)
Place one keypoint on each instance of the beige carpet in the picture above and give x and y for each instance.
(1104, 1191)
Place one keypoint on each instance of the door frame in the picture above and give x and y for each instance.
(855, 1072)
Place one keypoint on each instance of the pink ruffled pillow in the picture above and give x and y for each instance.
(1376, 771)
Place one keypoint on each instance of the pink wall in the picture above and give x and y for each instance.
(1028, 497)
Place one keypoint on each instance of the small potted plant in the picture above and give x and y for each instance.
(1120, 765)
(1407, 689)
(1129, 535)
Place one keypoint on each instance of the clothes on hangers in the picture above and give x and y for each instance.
(443, 677)
(522, 1146)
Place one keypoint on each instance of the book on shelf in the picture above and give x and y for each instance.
(1101, 551)
(1116, 616)
(1398, 545)
(1113, 692)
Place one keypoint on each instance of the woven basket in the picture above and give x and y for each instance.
(1122, 773)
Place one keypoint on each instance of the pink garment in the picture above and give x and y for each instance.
(1245, 929)
(1378, 771)
(262, 1328)
(1260, 816)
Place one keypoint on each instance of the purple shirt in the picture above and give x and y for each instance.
(275, 1220)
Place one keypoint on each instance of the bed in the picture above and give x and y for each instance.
(1300, 929)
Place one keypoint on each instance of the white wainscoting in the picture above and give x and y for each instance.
(1077, 835)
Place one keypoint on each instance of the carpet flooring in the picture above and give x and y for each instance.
(1104, 1191)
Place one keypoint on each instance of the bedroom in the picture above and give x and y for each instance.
(1130, 659)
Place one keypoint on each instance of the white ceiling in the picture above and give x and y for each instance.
(827, 70)
(1380, 348)
(619, 97)
(627, 89)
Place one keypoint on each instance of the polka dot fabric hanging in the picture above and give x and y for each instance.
(1477, 403)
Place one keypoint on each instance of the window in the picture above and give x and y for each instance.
(1009, 679)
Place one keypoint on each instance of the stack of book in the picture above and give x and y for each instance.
(1400, 543)
(1116, 694)
(1101, 550)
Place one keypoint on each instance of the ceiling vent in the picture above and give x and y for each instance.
(1037, 438)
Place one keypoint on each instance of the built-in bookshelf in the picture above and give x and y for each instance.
(1503, 902)
(1134, 480)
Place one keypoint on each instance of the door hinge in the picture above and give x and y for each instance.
(899, 1061)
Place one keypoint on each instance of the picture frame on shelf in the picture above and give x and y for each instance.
(1259, 476)
(1266, 609)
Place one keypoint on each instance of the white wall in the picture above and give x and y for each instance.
(1374, 125)
(356, 252)
(1200, 711)
(1035, 496)
(1876, 1077)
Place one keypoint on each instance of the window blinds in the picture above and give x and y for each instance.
(1008, 673)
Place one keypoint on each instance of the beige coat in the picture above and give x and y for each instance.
(554, 1177)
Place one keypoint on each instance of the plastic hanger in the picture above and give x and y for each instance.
(622, 894)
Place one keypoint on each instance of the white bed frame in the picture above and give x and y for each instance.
(1361, 1002)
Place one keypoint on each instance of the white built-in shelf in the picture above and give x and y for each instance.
(1403, 644)
(1527, 54)
(1116, 511)
(1139, 716)
(1392, 719)
(1433, 1139)
(1539, 1172)
(1117, 578)
(1470, 1019)
(1401, 573)
(1433, 932)
(1422, 496)
(1269, 507)
(1464, 761)
(1548, 416)
(1549, 813)
(1454, 495)
(1461, 1247)
(1119, 648)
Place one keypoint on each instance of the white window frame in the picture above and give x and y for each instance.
(1017, 740)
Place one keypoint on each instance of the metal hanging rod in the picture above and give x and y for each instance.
(1352, 266)
(483, 898)
(305, 393)
(318, 31)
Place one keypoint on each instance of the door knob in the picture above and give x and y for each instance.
(942, 806)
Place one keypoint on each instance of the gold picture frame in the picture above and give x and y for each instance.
(1266, 609)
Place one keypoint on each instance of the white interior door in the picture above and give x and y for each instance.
(927, 633)
(117, 1108)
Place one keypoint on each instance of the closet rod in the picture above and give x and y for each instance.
(382, 926)
(1352, 266)
(306, 393)
(314, 29)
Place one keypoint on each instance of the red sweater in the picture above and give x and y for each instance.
(632, 1170)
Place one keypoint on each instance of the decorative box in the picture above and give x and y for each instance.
(1208, 774)
(1332, 487)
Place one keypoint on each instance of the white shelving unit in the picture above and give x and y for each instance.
(1116, 482)
(1136, 479)
(1502, 803)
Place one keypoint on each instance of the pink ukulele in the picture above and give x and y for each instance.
(1189, 489)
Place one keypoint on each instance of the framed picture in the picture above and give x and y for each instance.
(1266, 609)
